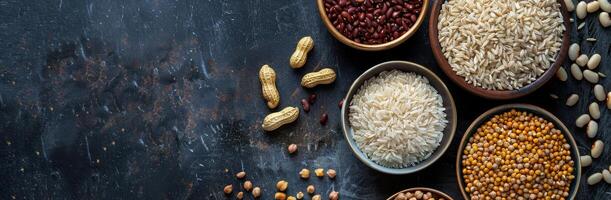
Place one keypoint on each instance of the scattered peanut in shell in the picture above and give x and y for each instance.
(323, 76)
(299, 57)
(320, 172)
(292, 148)
(304, 173)
(331, 173)
(275, 120)
(282, 185)
(267, 76)
(595, 178)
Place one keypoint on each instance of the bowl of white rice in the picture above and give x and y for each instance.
(398, 117)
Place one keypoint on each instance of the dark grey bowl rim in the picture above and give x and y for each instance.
(435, 81)
(534, 110)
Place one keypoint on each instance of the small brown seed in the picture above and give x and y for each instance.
(594, 110)
(320, 172)
(599, 92)
(590, 76)
(595, 178)
(331, 173)
(282, 185)
(299, 195)
(240, 195)
(597, 148)
(310, 189)
(304, 173)
(334, 195)
(292, 148)
(316, 197)
(576, 72)
(240, 175)
(247, 185)
(585, 160)
(323, 119)
(256, 192)
(582, 120)
(228, 189)
(280, 196)
(305, 105)
(572, 100)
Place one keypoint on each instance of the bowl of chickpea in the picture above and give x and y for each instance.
(518, 151)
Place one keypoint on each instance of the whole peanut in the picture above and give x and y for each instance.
(299, 57)
(275, 120)
(312, 79)
(267, 75)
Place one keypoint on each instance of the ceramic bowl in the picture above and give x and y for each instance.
(436, 193)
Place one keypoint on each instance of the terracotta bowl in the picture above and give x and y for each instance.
(371, 47)
(497, 94)
(483, 118)
(436, 193)
(435, 81)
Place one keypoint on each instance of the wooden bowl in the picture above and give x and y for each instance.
(371, 47)
(436, 193)
(483, 118)
(435, 81)
(497, 94)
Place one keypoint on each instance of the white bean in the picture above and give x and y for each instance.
(595, 178)
(585, 160)
(561, 74)
(593, 6)
(573, 51)
(582, 60)
(597, 148)
(590, 76)
(576, 72)
(582, 10)
(592, 129)
(570, 6)
(594, 61)
(604, 19)
(594, 110)
(582, 120)
(604, 5)
(599, 92)
(607, 176)
(572, 100)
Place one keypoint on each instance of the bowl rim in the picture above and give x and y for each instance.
(442, 89)
(372, 47)
(444, 195)
(531, 109)
(497, 94)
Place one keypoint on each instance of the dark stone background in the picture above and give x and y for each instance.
(159, 99)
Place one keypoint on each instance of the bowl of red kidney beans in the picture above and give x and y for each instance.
(372, 25)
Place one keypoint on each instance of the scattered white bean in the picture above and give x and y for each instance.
(604, 19)
(590, 76)
(592, 129)
(585, 160)
(599, 92)
(561, 74)
(607, 176)
(595, 178)
(582, 120)
(604, 5)
(582, 60)
(581, 10)
(597, 148)
(570, 6)
(594, 110)
(593, 6)
(594, 61)
(573, 51)
(576, 72)
(572, 100)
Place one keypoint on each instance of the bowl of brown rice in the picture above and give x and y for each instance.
(499, 49)
(398, 117)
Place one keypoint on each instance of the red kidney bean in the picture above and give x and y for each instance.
(305, 105)
(324, 118)
(312, 98)
(373, 21)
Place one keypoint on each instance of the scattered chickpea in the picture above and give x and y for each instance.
(320, 172)
(304, 173)
(292, 148)
(331, 173)
(291, 198)
(240, 195)
(517, 155)
(282, 185)
(316, 197)
(240, 175)
(280, 196)
(299, 195)
(310, 189)
(256, 192)
(334, 195)
(247, 185)
(228, 189)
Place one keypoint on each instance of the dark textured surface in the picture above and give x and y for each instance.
(159, 99)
